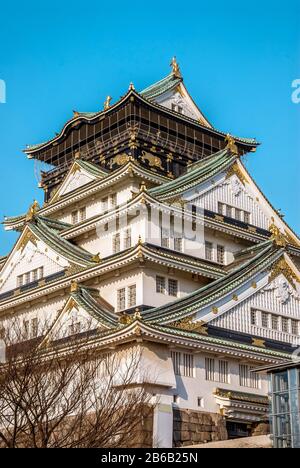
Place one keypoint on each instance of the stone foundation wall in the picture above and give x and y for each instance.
(196, 427)
(260, 429)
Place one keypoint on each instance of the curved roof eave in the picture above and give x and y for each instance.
(30, 150)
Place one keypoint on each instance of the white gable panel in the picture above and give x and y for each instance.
(231, 192)
(73, 319)
(26, 260)
(277, 298)
(175, 98)
(74, 181)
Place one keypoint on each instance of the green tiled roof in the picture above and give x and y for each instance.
(217, 341)
(91, 168)
(166, 84)
(89, 300)
(197, 173)
(45, 231)
(212, 292)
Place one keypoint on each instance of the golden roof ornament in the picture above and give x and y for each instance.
(96, 258)
(175, 68)
(131, 87)
(77, 155)
(231, 146)
(75, 114)
(34, 208)
(107, 102)
(276, 236)
(74, 287)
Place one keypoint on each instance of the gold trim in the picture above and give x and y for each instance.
(282, 267)
(258, 342)
(29, 237)
(153, 161)
(276, 235)
(188, 324)
(231, 146)
(235, 170)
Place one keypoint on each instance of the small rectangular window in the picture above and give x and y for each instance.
(228, 211)
(26, 329)
(34, 327)
(179, 109)
(127, 239)
(176, 359)
(41, 272)
(121, 299)
(208, 251)
(178, 244)
(173, 287)
(275, 322)
(265, 320)
(220, 254)
(35, 275)
(113, 200)
(246, 217)
(104, 204)
(223, 372)
(253, 317)
(74, 216)
(295, 327)
(188, 365)
(20, 280)
(82, 214)
(132, 295)
(285, 324)
(165, 239)
(210, 369)
(238, 214)
(27, 277)
(116, 243)
(220, 208)
(160, 285)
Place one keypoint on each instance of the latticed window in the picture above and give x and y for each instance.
(127, 238)
(176, 359)
(223, 372)
(275, 322)
(188, 365)
(172, 287)
(265, 319)
(221, 207)
(132, 295)
(220, 254)
(35, 275)
(246, 217)
(295, 327)
(238, 214)
(116, 243)
(208, 250)
(104, 204)
(74, 216)
(34, 327)
(160, 285)
(248, 378)
(82, 214)
(113, 200)
(210, 369)
(253, 317)
(20, 281)
(165, 238)
(228, 211)
(26, 326)
(121, 299)
(178, 244)
(284, 324)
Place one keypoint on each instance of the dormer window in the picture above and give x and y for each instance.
(78, 215)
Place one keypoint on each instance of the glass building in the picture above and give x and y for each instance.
(285, 404)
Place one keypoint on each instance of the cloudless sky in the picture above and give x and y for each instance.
(238, 60)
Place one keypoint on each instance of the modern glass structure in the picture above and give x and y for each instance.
(285, 405)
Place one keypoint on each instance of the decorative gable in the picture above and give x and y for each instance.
(71, 320)
(32, 259)
(77, 177)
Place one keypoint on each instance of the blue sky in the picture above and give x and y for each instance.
(238, 62)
